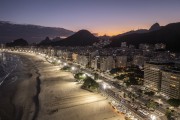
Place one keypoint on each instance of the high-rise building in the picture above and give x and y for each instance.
(146, 46)
(170, 83)
(106, 63)
(94, 63)
(160, 46)
(83, 60)
(74, 57)
(138, 60)
(121, 61)
(123, 44)
(2, 46)
(152, 75)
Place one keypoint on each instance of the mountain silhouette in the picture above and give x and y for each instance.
(45, 42)
(56, 39)
(134, 31)
(154, 27)
(81, 38)
(32, 33)
(18, 42)
(169, 34)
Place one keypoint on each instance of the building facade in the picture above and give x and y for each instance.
(170, 84)
(138, 60)
(152, 76)
(121, 61)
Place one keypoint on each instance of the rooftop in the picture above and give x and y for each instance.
(160, 62)
(172, 69)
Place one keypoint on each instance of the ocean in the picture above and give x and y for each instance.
(8, 63)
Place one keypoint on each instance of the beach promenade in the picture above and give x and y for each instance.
(46, 93)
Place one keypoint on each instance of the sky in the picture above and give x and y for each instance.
(110, 17)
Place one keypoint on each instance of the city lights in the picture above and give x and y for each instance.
(72, 68)
(153, 117)
(104, 86)
(59, 61)
(84, 75)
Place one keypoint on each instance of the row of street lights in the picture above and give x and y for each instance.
(104, 85)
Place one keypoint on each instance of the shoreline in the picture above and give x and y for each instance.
(16, 96)
(52, 94)
(36, 97)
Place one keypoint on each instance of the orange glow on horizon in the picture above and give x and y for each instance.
(117, 30)
(111, 33)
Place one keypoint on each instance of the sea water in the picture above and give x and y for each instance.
(8, 63)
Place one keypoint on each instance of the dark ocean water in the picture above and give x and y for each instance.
(8, 63)
(8, 82)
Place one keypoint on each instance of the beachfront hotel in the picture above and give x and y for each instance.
(152, 76)
(170, 84)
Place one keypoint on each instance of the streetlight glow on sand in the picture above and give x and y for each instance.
(153, 117)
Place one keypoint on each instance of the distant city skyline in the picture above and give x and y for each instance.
(109, 17)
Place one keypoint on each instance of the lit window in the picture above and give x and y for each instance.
(172, 85)
(173, 77)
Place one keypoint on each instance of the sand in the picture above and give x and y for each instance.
(51, 94)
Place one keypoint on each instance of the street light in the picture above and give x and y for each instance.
(59, 61)
(84, 75)
(72, 68)
(65, 64)
(153, 117)
(104, 86)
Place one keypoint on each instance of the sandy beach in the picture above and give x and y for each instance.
(46, 93)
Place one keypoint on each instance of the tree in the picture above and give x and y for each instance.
(133, 99)
(66, 68)
(174, 102)
(94, 85)
(168, 114)
(131, 81)
(121, 77)
(140, 92)
(126, 118)
(150, 93)
(152, 104)
(79, 77)
(90, 84)
(115, 70)
(124, 95)
(96, 76)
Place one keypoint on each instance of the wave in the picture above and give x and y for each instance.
(7, 66)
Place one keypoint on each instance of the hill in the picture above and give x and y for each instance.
(45, 42)
(81, 38)
(169, 34)
(32, 33)
(18, 42)
(154, 27)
